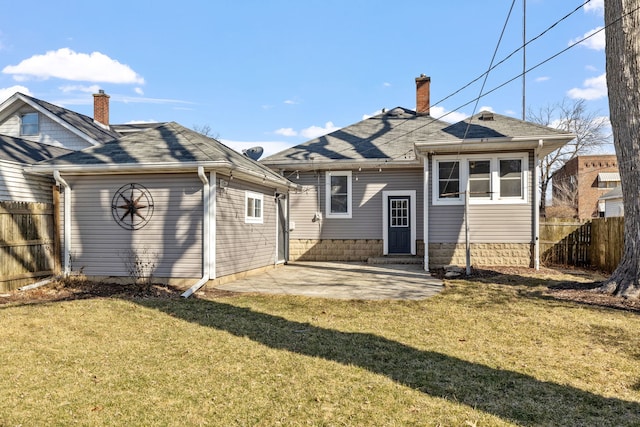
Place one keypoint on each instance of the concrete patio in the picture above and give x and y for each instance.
(342, 280)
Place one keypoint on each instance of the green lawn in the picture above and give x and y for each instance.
(489, 352)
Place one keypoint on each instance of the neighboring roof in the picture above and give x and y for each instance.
(616, 193)
(393, 136)
(27, 152)
(165, 148)
(609, 177)
(92, 131)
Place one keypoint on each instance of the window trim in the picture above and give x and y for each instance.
(37, 124)
(334, 215)
(253, 219)
(494, 197)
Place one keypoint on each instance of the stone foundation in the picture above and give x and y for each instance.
(334, 249)
(482, 254)
(440, 254)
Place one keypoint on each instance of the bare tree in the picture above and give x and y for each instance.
(565, 199)
(206, 131)
(569, 116)
(622, 20)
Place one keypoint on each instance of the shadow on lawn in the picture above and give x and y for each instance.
(506, 394)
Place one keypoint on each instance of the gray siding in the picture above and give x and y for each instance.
(488, 223)
(51, 133)
(240, 246)
(17, 186)
(366, 220)
(171, 241)
(613, 207)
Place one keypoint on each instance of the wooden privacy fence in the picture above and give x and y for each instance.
(597, 243)
(27, 243)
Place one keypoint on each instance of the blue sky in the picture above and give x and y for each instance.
(277, 73)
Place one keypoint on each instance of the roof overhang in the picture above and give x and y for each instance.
(544, 144)
(328, 164)
(224, 166)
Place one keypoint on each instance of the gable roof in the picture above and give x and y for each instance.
(392, 137)
(616, 193)
(27, 152)
(169, 147)
(81, 125)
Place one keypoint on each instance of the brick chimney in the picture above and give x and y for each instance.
(101, 107)
(423, 84)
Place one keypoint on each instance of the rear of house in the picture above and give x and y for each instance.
(388, 184)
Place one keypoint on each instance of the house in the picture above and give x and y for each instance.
(581, 181)
(32, 130)
(386, 185)
(613, 203)
(170, 203)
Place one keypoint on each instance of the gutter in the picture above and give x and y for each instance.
(206, 259)
(536, 206)
(67, 221)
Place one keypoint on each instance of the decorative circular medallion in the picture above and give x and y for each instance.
(132, 206)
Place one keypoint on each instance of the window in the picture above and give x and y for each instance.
(500, 178)
(511, 178)
(253, 208)
(338, 194)
(480, 178)
(29, 124)
(448, 180)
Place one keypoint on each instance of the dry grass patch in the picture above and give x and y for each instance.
(498, 349)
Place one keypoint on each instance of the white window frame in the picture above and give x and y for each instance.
(495, 196)
(328, 213)
(253, 219)
(37, 116)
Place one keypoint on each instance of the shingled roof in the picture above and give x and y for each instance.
(22, 151)
(391, 137)
(169, 146)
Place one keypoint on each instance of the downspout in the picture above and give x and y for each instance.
(536, 207)
(425, 214)
(67, 221)
(206, 260)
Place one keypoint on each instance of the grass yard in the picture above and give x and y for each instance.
(490, 351)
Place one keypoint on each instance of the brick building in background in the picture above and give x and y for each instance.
(579, 184)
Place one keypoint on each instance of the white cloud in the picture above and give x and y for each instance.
(68, 65)
(139, 91)
(595, 6)
(594, 42)
(386, 84)
(316, 131)
(270, 147)
(542, 79)
(290, 102)
(5, 93)
(286, 132)
(486, 108)
(80, 88)
(593, 88)
(137, 122)
(440, 113)
(368, 116)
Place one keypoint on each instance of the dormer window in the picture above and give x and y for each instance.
(29, 124)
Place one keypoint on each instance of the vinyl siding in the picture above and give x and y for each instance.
(240, 246)
(171, 241)
(51, 133)
(366, 220)
(17, 186)
(488, 223)
(613, 208)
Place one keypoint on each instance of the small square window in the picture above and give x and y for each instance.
(29, 124)
(253, 208)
